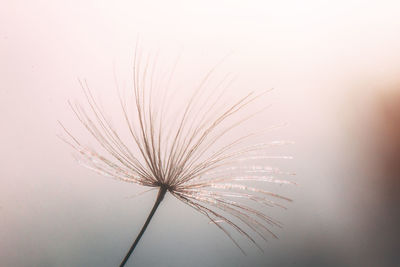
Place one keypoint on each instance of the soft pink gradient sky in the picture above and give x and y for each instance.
(329, 62)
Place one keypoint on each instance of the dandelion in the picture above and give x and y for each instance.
(182, 153)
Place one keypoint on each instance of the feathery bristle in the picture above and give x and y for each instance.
(185, 157)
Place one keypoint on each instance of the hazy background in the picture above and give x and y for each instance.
(335, 69)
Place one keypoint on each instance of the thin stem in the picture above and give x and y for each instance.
(160, 197)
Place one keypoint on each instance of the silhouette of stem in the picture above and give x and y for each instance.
(160, 197)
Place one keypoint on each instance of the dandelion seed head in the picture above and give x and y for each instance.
(185, 150)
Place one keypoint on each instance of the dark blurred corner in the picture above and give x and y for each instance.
(390, 161)
(386, 224)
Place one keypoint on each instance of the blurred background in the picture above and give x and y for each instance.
(334, 67)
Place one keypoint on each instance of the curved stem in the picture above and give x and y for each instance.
(160, 197)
